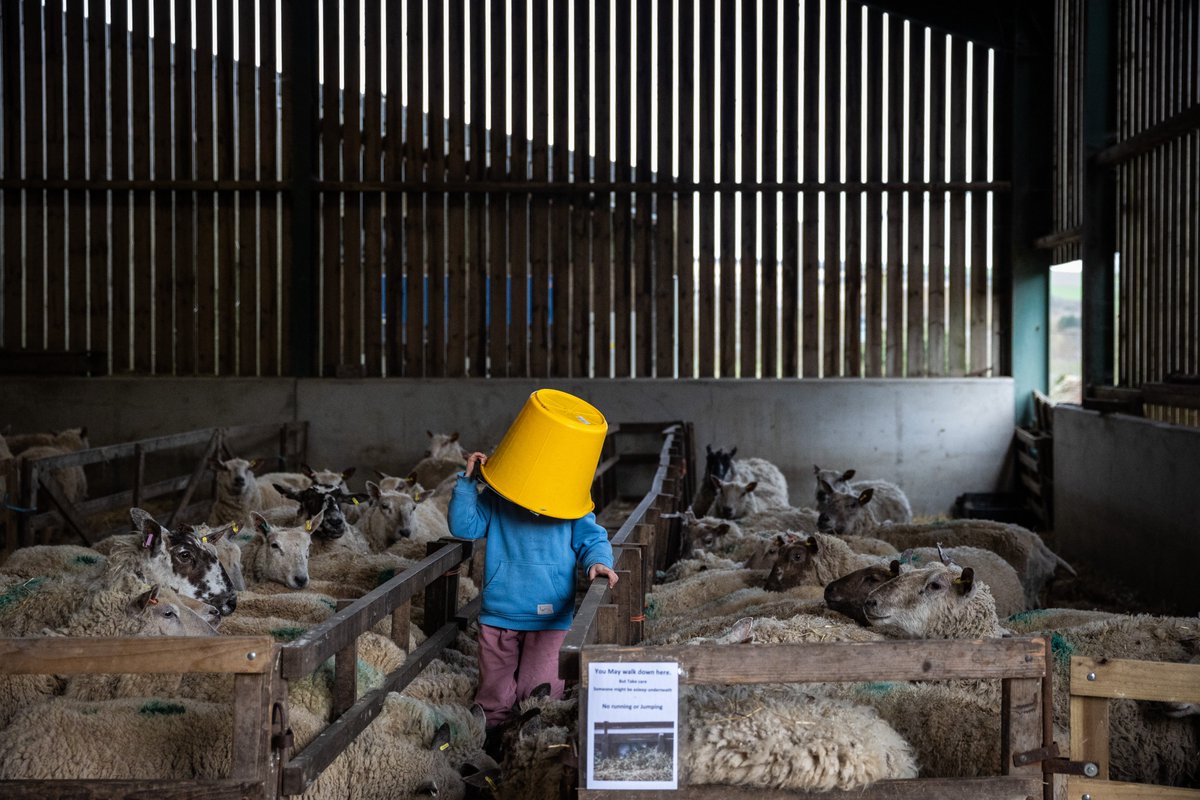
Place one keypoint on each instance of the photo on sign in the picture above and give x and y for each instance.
(633, 725)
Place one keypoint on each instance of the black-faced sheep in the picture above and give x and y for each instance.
(890, 504)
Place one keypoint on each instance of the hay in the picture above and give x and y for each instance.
(641, 765)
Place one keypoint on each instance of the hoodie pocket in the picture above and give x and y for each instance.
(522, 590)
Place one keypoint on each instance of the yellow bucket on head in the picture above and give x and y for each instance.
(546, 461)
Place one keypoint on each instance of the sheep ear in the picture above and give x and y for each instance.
(254, 464)
(311, 525)
(716, 482)
(429, 433)
(708, 449)
(82, 432)
(373, 490)
(723, 529)
(816, 470)
(441, 738)
(287, 491)
(866, 496)
(733, 452)
(541, 691)
(307, 471)
(478, 713)
(216, 464)
(215, 536)
(454, 436)
(153, 535)
(750, 487)
(965, 582)
(147, 598)
(825, 487)
(812, 544)
(260, 522)
(894, 568)
(347, 474)
(848, 474)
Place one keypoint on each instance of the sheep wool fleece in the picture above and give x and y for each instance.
(529, 580)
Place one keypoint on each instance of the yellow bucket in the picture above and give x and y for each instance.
(547, 459)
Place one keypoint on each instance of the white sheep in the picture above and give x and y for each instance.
(278, 555)
(781, 518)
(71, 439)
(687, 567)
(239, 492)
(936, 601)
(670, 600)
(72, 480)
(736, 499)
(53, 559)
(382, 522)
(890, 503)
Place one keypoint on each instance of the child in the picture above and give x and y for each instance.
(528, 589)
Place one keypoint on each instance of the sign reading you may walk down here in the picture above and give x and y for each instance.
(633, 722)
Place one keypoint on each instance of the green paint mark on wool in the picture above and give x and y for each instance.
(384, 576)
(85, 560)
(1027, 616)
(288, 634)
(244, 537)
(652, 609)
(877, 688)
(157, 708)
(19, 592)
(329, 603)
(1062, 649)
(368, 677)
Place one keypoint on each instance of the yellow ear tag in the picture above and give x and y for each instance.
(204, 539)
(308, 525)
(355, 499)
(445, 746)
(236, 527)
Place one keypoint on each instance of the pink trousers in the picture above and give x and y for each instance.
(511, 665)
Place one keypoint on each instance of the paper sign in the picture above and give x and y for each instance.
(633, 722)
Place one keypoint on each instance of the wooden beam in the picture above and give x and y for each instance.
(927, 789)
(132, 790)
(52, 487)
(135, 655)
(1118, 790)
(1136, 680)
(79, 362)
(1171, 128)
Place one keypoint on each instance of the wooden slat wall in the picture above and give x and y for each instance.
(774, 150)
(1068, 128)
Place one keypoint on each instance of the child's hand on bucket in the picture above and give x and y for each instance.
(597, 570)
(472, 460)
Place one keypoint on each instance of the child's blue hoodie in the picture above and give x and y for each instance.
(529, 579)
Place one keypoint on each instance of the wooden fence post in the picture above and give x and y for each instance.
(441, 595)
(345, 674)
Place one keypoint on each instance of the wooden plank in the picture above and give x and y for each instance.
(980, 255)
(352, 267)
(164, 251)
(665, 270)
(497, 257)
(13, 113)
(915, 290)
(706, 319)
(394, 203)
(136, 655)
(539, 210)
(1021, 724)
(936, 360)
(957, 320)
(580, 362)
(1090, 731)
(36, 202)
(414, 227)
(227, 317)
(560, 270)
(76, 278)
(518, 204)
(852, 323)
(53, 314)
(456, 202)
(768, 316)
(622, 220)
(206, 283)
(435, 201)
(98, 201)
(1119, 790)
(270, 345)
(228, 789)
(250, 709)
(727, 151)
(831, 262)
(893, 660)
(641, 274)
(475, 296)
(748, 367)
(923, 789)
(332, 286)
(894, 322)
(372, 133)
(184, 301)
(602, 220)
(1138, 680)
(873, 257)
(401, 625)
(345, 675)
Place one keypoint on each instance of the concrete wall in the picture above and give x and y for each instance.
(1126, 501)
(936, 438)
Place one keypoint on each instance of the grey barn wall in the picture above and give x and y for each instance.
(1125, 500)
(936, 438)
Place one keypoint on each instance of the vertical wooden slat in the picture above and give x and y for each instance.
(185, 249)
(602, 221)
(497, 257)
(540, 205)
(915, 366)
(768, 286)
(475, 290)
(727, 343)
(957, 334)
(1002, 218)
(937, 206)
(518, 332)
(894, 308)
(873, 367)
(622, 233)
(748, 313)
(206, 316)
(456, 240)
(394, 203)
(268, 200)
(414, 225)
(581, 212)
(164, 251)
(98, 101)
(373, 332)
(979, 205)
(641, 281)
(36, 201)
(228, 331)
(56, 223)
(666, 228)
(13, 113)
(790, 257)
(143, 302)
(331, 271)
(76, 278)
(560, 220)
(706, 290)
(352, 269)
(435, 204)
(832, 263)
(853, 283)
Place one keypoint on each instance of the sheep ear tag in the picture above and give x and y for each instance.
(148, 541)
(204, 539)
(308, 525)
(355, 499)
(236, 527)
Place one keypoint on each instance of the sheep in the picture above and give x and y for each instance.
(788, 738)
(847, 593)
(57, 559)
(307, 607)
(704, 532)
(891, 504)
(381, 523)
(801, 620)
(541, 729)
(444, 458)
(424, 521)
(673, 598)
(353, 569)
(1034, 562)
(334, 533)
(736, 499)
(781, 518)
(239, 492)
(71, 439)
(717, 464)
(71, 480)
(687, 567)
(277, 554)
(936, 601)
(5, 452)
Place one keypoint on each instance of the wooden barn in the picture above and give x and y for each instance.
(860, 341)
